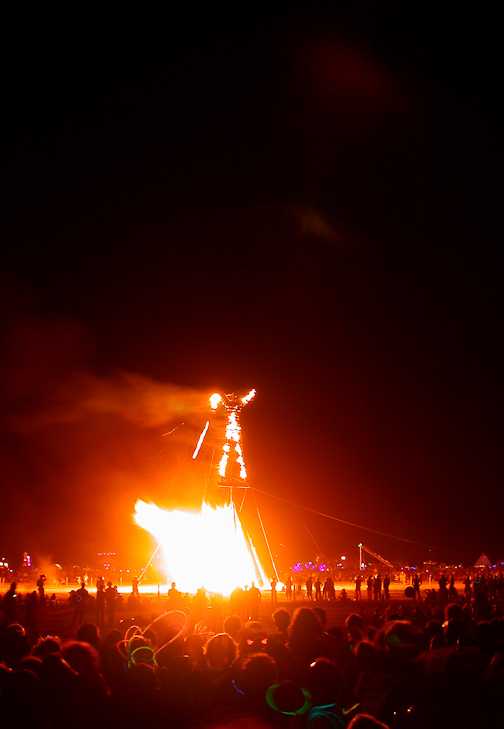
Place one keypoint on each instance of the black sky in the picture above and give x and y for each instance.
(308, 204)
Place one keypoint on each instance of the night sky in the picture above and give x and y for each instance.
(308, 204)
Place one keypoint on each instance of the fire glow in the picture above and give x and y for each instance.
(232, 456)
(209, 548)
(202, 549)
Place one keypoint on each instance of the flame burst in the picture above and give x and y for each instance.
(203, 549)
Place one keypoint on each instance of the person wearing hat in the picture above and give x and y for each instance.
(81, 598)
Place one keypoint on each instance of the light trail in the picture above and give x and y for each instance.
(174, 429)
(201, 439)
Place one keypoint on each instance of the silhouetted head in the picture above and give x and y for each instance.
(258, 673)
(324, 682)
(233, 626)
(321, 615)
(304, 630)
(194, 648)
(281, 618)
(82, 657)
(221, 651)
(46, 646)
(88, 632)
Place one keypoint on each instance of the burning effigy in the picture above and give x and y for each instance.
(209, 548)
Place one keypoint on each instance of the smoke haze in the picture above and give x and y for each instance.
(78, 448)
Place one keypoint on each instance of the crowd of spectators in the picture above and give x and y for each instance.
(402, 664)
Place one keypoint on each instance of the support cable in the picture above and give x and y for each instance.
(266, 538)
(359, 526)
(148, 563)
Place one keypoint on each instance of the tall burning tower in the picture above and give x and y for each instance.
(209, 548)
(232, 471)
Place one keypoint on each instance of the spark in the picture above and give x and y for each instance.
(201, 439)
(174, 429)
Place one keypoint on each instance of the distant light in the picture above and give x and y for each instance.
(343, 557)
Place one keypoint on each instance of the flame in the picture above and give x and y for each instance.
(232, 451)
(248, 397)
(215, 400)
(203, 549)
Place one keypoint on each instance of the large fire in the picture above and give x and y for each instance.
(206, 548)
(209, 548)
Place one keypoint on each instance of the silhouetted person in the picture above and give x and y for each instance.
(369, 587)
(110, 602)
(416, 588)
(237, 603)
(328, 591)
(254, 595)
(273, 590)
(81, 598)
(309, 588)
(281, 618)
(288, 588)
(100, 603)
(32, 604)
(134, 587)
(377, 585)
(386, 587)
(358, 584)
(41, 590)
(318, 589)
(173, 593)
(9, 604)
